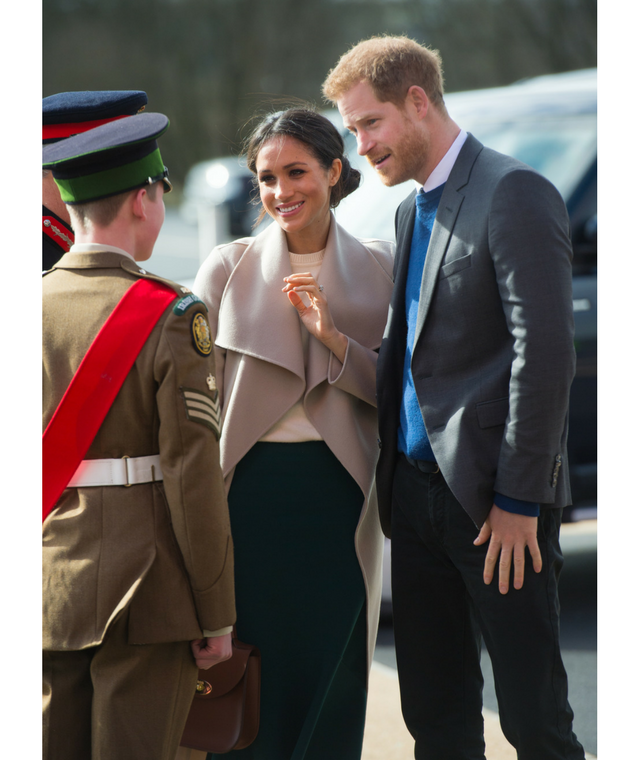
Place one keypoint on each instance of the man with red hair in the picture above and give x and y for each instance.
(473, 385)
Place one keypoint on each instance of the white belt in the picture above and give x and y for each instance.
(127, 471)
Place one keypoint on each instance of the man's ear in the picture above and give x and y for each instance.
(417, 101)
(139, 203)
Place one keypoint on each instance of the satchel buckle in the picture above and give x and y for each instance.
(203, 688)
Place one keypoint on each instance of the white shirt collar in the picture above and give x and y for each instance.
(442, 171)
(97, 247)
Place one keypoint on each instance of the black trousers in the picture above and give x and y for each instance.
(440, 607)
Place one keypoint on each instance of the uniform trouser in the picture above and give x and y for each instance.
(117, 701)
(440, 607)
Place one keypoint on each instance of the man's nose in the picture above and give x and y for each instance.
(365, 143)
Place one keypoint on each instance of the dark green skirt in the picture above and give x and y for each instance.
(300, 598)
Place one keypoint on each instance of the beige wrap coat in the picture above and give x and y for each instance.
(261, 370)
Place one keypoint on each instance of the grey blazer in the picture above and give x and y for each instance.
(493, 358)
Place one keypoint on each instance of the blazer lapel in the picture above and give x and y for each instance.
(406, 218)
(446, 216)
(404, 234)
(391, 357)
(255, 288)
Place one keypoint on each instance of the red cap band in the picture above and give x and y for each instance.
(53, 131)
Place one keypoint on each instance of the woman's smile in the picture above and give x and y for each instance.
(289, 210)
(295, 190)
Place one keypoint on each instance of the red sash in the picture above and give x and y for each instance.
(96, 383)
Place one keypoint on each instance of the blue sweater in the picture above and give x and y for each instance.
(412, 434)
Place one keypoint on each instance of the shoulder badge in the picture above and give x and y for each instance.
(184, 303)
(201, 334)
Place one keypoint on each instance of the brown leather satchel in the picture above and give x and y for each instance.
(225, 712)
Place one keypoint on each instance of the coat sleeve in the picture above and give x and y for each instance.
(357, 375)
(189, 429)
(531, 251)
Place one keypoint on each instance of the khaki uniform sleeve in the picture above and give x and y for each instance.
(189, 413)
(209, 284)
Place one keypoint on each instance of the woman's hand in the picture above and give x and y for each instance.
(317, 316)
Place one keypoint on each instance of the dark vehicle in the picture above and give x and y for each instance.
(225, 183)
(549, 123)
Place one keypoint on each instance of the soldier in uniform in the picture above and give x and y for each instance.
(138, 557)
(64, 115)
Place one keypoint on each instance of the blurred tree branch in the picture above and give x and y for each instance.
(210, 64)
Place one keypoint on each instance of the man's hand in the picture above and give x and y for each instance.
(510, 534)
(208, 652)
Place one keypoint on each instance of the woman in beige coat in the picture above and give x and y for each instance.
(298, 313)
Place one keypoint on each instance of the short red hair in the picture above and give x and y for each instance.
(390, 65)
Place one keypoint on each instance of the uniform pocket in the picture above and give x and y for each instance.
(491, 413)
(457, 265)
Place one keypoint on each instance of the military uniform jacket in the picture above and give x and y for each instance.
(54, 245)
(161, 549)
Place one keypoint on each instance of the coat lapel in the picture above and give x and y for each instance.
(448, 210)
(352, 285)
(255, 288)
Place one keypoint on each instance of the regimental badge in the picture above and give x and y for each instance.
(200, 408)
(201, 334)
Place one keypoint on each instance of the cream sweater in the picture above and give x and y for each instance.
(295, 426)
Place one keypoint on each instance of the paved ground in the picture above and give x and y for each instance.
(386, 737)
(578, 636)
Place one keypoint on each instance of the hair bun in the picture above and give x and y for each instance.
(348, 182)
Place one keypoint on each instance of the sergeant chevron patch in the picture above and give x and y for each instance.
(201, 408)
